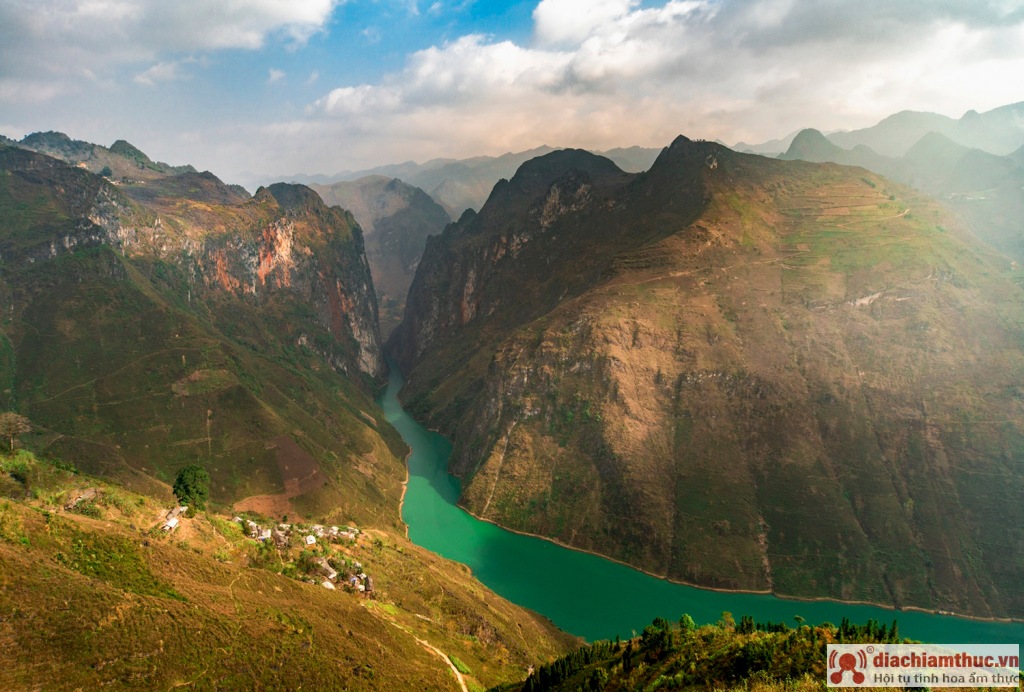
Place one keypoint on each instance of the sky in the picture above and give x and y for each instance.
(255, 88)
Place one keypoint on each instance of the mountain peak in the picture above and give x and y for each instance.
(562, 160)
(811, 145)
(294, 197)
(129, 151)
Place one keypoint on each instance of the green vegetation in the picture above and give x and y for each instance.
(192, 487)
(134, 367)
(720, 656)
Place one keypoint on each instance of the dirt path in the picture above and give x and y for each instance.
(437, 652)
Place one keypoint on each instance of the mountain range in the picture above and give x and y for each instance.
(733, 371)
(984, 188)
(799, 375)
(164, 319)
(460, 184)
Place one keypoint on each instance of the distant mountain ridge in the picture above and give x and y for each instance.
(460, 184)
(396, 219)
(999, 131)
(122, 158)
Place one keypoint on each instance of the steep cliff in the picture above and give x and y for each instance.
(396, 220)
(733, 371)
(150, 325)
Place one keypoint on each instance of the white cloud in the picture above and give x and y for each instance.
(612, 72)
(59, 41)
(161, 72)
(569, 22)
(275, 75)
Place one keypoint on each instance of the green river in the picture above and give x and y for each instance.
(596, 598)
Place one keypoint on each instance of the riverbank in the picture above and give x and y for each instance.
(590, 595)
(765, 592)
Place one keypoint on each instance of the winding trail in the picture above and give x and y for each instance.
(437, 652)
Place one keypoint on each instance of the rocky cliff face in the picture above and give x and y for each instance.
(396, 220)
(151, 325)
(733, 371)
(282, 242)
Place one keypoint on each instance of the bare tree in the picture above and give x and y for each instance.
(12, 425)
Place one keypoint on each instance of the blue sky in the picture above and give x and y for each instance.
(274, 87)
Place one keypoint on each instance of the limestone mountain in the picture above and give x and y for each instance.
(396, 219)
(998, 131)
(154, 324)
(734, 371)
(150, 324)
(122, 159)
(460, 184)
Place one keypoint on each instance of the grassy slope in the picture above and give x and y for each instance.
(719, 409)
(106, 599)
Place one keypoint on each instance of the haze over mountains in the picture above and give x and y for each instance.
(801, 375)
(396, 219)
(974, 165)
(463, 184)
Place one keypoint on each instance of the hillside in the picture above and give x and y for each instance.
(985, 189)
(174, 321)
(396, 219)
(733, 371)
(749, 655)
(99, 595)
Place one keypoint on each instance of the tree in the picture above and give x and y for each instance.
(192, 486)
(12, 425)
(106, 172)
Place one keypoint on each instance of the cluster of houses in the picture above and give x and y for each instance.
(321, 570)
(281, 534)
(358, 581)
(171, 520)
(327, 576)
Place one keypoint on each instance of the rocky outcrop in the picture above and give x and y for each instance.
(117, 294)
(283, 244)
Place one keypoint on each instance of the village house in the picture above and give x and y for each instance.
(325, 568)
(172, 518)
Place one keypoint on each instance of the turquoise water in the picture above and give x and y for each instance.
(596, 598)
